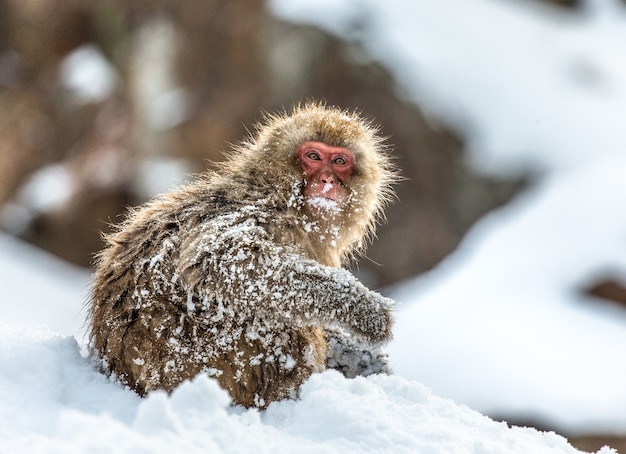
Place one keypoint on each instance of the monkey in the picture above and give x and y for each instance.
(239, 273)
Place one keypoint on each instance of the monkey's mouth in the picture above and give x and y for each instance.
(328, 191)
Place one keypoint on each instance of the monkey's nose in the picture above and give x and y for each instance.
(328, 178)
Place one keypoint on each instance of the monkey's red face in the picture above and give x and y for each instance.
(327, 171)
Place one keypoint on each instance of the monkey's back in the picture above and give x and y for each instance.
(153, 331)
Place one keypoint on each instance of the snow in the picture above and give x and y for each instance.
(169, 109)
(88, 75)
(323, 203)
(54, 400)
(38, 289)
(47, 189)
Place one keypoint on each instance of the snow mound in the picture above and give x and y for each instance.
(54, 400)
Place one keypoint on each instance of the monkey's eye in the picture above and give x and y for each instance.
(313, 156)
(340, 161)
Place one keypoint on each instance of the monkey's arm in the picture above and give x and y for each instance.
(242, 272)
(320, 295)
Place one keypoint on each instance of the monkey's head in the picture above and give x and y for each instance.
(329, 159)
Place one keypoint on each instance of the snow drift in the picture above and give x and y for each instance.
(55, 401)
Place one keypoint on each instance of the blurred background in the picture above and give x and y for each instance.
(105, 104)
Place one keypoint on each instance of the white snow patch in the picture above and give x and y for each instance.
(88, 74)
(323, 203)
(39, 289)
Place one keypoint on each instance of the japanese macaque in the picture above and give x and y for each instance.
(238, 274)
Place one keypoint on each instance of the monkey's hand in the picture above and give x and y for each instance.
(353, 358)
(373, 318)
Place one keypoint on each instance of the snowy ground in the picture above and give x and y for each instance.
(499, 326)
(40, 290)
(53, 400)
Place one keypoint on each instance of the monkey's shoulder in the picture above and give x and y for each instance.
(203, 217)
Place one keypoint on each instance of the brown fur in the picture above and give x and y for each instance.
(236, 276)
